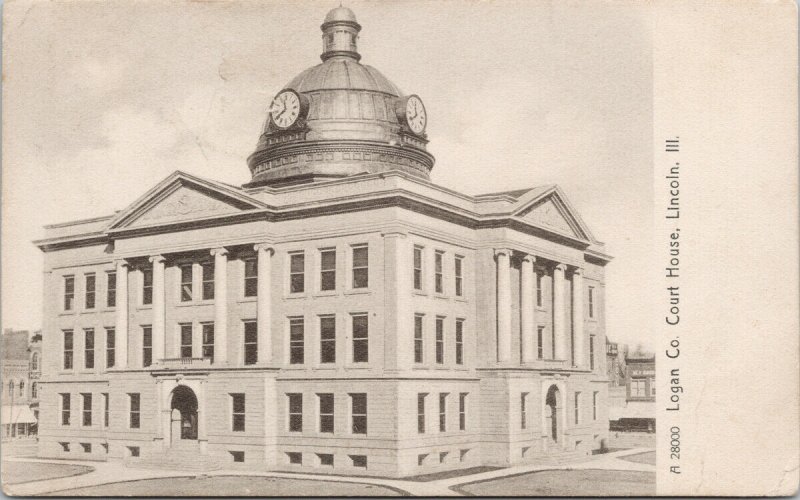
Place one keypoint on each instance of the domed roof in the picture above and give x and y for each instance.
(340, 14)
(342, 73)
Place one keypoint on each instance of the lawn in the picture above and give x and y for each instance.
(568, 483)
(648, 457)
(22, 472)
(238, 486)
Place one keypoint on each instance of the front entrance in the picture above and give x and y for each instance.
(184, 414)
(553, 402)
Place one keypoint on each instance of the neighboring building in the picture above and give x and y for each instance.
(639, 391)
(21, 362)
(615, 363)
(338, 312)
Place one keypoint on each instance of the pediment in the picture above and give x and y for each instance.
(183, 204)
(552, 212)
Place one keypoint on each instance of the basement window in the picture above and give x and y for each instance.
(64, 446)
(359, 461)
(238, 456)
(295, 458)
(133, 450)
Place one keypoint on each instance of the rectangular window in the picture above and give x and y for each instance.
(208, 341)
(358, 405)
(594, 405)
(539, 289)
(68, 353)
(297, 272)
(417, 268)
(250, 277)
(591, 302)
(540, 342)
(65, 408)
(237, 412)
(295, 458)
(419, 346)
(147, 286)
(459, 274)
(591, 352)
(87, 409)
(327, 339)
(459, 341)
(360, 338)
(186, 283)
(296, 341)
(438, 270)
(325, 412)
(237, 456)
(523, 411)
(147, 346)
(87, 447)
(89, 292)
(577, 407)
(439, 341)
(295, 412)
(421, 413)
(106, 404)
(134, 413)
(111, 347)
(359, 461)
(462, 411)
(111, 289)
(325, 459)
(327, 269)
(186, 340)
(69, 293)
(250, 342)
(208, 280)
(361, 266)
(88, 347)
(442, 412)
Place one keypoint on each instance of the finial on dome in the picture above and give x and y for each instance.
(340, 33)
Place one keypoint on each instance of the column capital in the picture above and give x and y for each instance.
(267, 247)
(577, 270)
(157, 259)
(121, 263)
(394, 234)
(529, 258)
(503, 251)
(219, 251)
(560, 267)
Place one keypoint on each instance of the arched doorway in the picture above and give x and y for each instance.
(184, 414)
(553, 403)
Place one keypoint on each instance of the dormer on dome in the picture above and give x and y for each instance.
(340, 118)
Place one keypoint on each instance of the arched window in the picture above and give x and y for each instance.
(34, 390)
(11, 385)
(35, 362)
(21, 388)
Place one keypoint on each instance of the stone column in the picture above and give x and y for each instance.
(577, 317)
(121, 325)
(158, 307)
(527, 308)
(264, 305)
(558, 312)
(220, 305)
(159, 439)
(398, 311)
(503, 257)
(202, 407)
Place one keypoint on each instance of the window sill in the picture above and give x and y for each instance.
(358, 366)
(144, 307)
(195, 303)
(357, 291)
(326, 293)
(299, 295)
(420, 293)
(461, 299)
(246, 300)
(94, 310)
(441, 296)
(67, 313)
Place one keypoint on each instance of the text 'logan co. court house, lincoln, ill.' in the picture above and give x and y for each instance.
(338, 312)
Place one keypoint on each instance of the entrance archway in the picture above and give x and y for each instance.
(553, 403)
(184, 414)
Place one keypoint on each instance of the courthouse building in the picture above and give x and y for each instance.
(338, 312)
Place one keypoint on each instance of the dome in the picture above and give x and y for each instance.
(343, 73)
(340, 14)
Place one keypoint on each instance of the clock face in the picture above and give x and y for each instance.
(416, 117)
(285, 109)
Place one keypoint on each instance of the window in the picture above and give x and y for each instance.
(297, 264)
(106, 404)
(417, 268)
(361, 266)
(523, 411)
(237, 456)
(134, 412)
(577, 407)
(237, 412)
(111, 343)
(595, 395)
(35, 362)
(358, 413)
(186, 340)
(88, 347)
(439, 276)
(250, 342)
(638, 389)
(89, 292)
(87, 447)
(327, 339)
(325, 412)
(442, 456)
(34, 390)
(111, 289)
(540, 342)
(591, 352)
(64, 445)
(359, 461)
(459, 341)
(208, 341)
(421, 413)
(462, 411)
(133, 450)
(186, 283)
(21, 388)
(459, 274)
(147, 346)
(295, 412)
(421, 459)
(69, 293)
(325, 459)
(442, 412)
(68, 349)
(360, 338)
(439, 340)
(418, 342)
(463, 455)
(250, 277)
(208, 280)
(539, 289)
(65, 409)
(296, 341)
(147, 286)
(327, 269)
(591, 302)
(295, 458)
(87, 409)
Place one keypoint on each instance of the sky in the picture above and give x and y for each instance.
(102, 100)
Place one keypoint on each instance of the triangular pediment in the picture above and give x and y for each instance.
(181, 198)
(551, 210)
